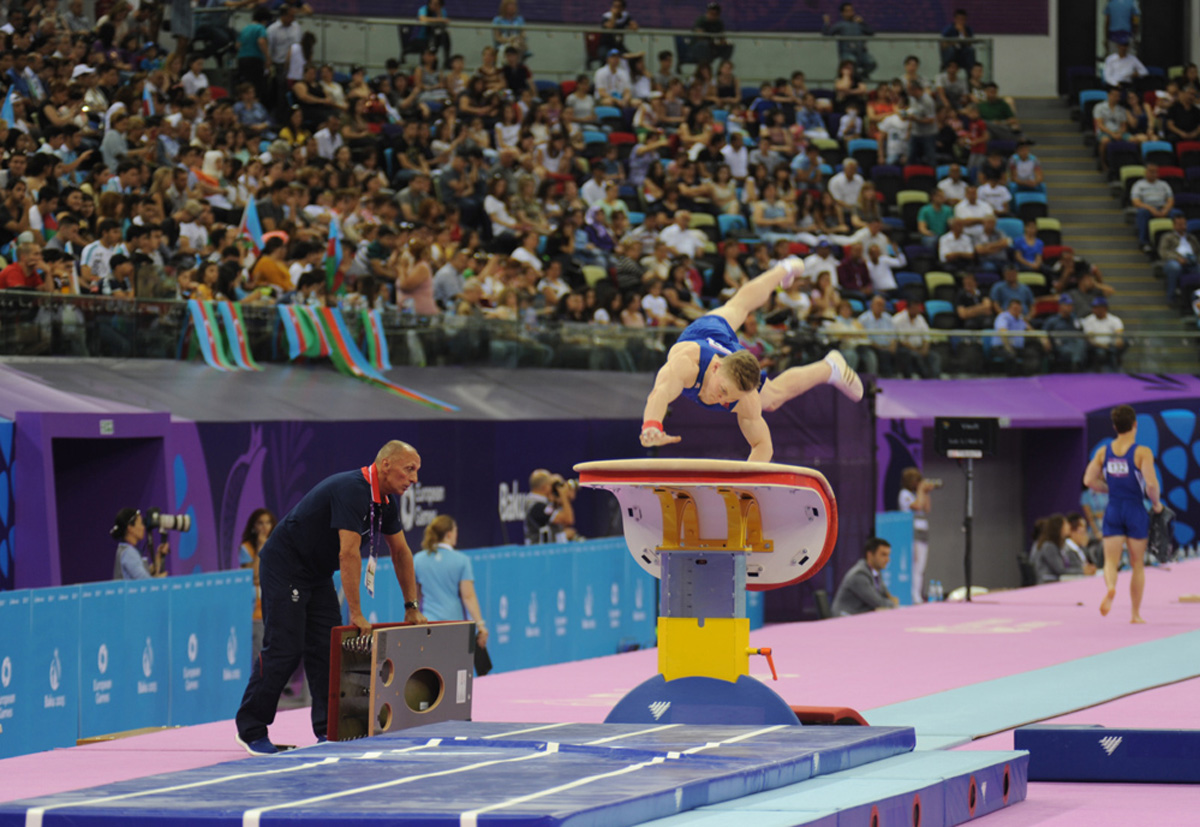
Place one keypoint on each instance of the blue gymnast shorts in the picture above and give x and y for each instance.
(713, 331)
(1126, 518)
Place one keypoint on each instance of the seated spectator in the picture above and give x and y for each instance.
(821, 260)
(1106, 345)
(880, 329)
(953, 186)
(1069, 352)
(956, 47)
(995, 194)
(850, 25)
(26, 273)
(773, 218)
(972, 211)
(1027, 250)
(1011, 348)
(846, 186)
(249, 111)
(862, 589)
(612, 82)
(1178, 250)
(680, 239)
(933, 219)
(881, 269)
(1049, 557)
(873, 234)
(1075, 549)
(913, 354)
(1011, 289)
(1121, 67)
(853, 278)
(1068, 269)
(1152, 197)
(998, 114)
(956, 250)
(869, 208)
(994, 248)
(1183, 118)
(951, 85)
(1111, 122)
(975, 311)
(654, 305)
(1086, 291)
(1024, 168)
(1143, 126)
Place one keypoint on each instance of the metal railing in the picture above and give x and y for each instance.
(35, 324)
(560, 51)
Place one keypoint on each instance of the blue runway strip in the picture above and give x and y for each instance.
(471, 775)
(957, 716)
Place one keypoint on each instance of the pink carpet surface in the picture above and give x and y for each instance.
(921, 650)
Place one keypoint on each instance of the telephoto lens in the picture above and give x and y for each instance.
(168, 522)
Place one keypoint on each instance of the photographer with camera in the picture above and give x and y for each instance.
(129, 530)
(549, 515)
(914, 498)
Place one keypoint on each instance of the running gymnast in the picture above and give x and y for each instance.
(710, 367)
(1125, 470)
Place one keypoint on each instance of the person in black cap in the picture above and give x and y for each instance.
(128, 530)
(612, 81)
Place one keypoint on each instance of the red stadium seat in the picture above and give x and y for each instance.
(618, 138)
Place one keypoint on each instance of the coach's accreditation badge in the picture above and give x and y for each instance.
(371, 575)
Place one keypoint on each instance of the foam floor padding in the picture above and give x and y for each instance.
(931, 789)
(479, 774)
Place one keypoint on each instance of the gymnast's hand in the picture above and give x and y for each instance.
(653, 436)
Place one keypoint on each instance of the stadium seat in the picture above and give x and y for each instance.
(1011, 227)
(1049, 230)
(937, 307)
(943, 171)
(567, 87)
(1036, 282)
(920, 258)
(1081, 78)
(910, 203)
(1120, 154)
(637, 219)
(918, 177)
(1173, 176)
(1088, 98)
(986, 278)
(1187, 154)
(1052, 253)
(831, 151)
(732, 225)
(1175, 72)
(593, 136)
(610, 117)
(545, 88)
(906, 277)
(1158, 152)
(720, 115)
(1005, 148)
(1129, 175)
(1157, 227)
(941, 285)
(856, 305)
(706, 223)
(1191, 177)
(866, 152)
(749, 93)
(1045, 307)
(889, 180)
(594, 275)
(796, 248)
(1030, 205)
(912, 286)
(1188, 203)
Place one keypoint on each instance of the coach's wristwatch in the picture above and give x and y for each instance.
(411, 604)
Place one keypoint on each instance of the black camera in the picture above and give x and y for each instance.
(156, 519)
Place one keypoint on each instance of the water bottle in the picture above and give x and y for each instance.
(935, 591)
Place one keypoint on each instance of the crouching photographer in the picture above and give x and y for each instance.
(130, 529)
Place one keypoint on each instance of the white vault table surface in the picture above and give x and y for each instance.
(798, 508)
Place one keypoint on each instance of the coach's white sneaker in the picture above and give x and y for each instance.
(795, 269)
(844, 377)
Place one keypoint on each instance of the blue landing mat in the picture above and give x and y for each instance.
(468, 774)
(937, 789)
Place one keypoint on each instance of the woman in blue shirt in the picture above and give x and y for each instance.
(445, 579)
(252, 53)
(510, 27)
(1028, 249)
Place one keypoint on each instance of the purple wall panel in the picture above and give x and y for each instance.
(887, 16)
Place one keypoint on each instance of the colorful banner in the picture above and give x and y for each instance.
(207, 334)
(235, 333)
(250, 227)
(376, 336)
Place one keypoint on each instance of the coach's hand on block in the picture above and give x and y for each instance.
(357, 619)
(414, 616)
(653, 435)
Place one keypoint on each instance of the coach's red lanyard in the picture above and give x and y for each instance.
(371, 475)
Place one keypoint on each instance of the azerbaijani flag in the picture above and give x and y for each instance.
(333, 258)
(148, 108)
(251, 227)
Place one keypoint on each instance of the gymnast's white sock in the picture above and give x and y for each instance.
(835, 360)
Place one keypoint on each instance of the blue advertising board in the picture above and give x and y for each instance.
(103, 659)
(54, 658)
(897, 528)
(209, 628)
(17, 726)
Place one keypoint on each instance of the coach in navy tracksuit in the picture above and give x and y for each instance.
(322, 534)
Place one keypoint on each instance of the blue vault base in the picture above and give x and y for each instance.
(747, 702)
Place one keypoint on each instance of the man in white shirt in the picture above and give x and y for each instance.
(1121, 67)
(612, 81)
(846, 185)
(329, 137)
(995, 195)
(195, 81)
(881, 268)
(592, 191)
(281, 36)
(680, 239)
(954, 186)
(192, 228)
(972, 211)
(913, 346)
(737, 156)
(1103, 330)
(956, 250)
(872, 234)
(94, 262)
(821, 261)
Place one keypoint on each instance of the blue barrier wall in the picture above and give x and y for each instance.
(79, 661)
(897, 528)
(553, 603)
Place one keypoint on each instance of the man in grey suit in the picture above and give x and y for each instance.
(862, 589)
